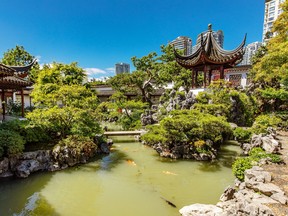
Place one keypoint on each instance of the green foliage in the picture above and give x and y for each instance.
(63, 105)
(213, 109)
(203, 97)
(255, 155)
(10, 143)
(155, 135)
(283, 115)
(14, 108)
(78, 143)
(242, 135)
(30, 133)
(262, 122)
(269, 70)
(222, 100)
(188, 126)
(239, 166)
(130, 118)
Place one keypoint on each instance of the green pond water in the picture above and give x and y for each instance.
(132, 180)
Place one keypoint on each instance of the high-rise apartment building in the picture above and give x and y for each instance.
(218, 35)
(122, 68)
(183, 43)
(250, 50)
(272, 11)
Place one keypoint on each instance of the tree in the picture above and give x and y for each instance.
(270, 69)
(18, 56)
(139, 81)
(63, 105)
(152, 72)
(52, 78)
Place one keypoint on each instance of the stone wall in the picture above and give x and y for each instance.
(59, 158)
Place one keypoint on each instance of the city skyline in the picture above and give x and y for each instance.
(96, 34)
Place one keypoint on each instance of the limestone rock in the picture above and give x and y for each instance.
(280, 197)
(26, 167)
(201, 210)
(270, 145)
(267, 189)
(4, 165)
(228, 194)
(257, 174)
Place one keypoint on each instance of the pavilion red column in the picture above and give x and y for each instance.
(3, 103)
(210, 75)
(205, 70)
(196, 78)
(222, 72)
(22, 102)
(193, 79)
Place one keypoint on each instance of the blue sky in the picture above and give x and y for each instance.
(99, 33)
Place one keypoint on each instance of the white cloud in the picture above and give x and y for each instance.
(94, 71)
(111, 69)
(99, 74)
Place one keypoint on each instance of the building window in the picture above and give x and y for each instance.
(272, 8)
(235, 79)
(271, 14)
(272, 3)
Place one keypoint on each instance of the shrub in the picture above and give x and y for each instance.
(30, 133)
(156, 135)
(242, 135)
(10, 143)
(239, 166)
(188, 126)
(258, 153)
(203, 97)
(262, 122)
(255, 155)
(222, 100)
(79, 143)
(283, 115)
(213, 109)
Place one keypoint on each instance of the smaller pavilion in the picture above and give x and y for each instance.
(13, 78)
(210, 57)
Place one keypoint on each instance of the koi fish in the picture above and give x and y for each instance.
(170, 203)
(131, 162)
(169, 173)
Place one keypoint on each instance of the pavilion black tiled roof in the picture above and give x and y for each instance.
(11, 77)
(209, 52)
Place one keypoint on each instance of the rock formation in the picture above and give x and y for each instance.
(266, 141)
(245, 198)
(59, 158)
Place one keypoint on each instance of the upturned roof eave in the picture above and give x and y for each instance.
(211, 50)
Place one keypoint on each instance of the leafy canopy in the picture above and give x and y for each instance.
(63, 105)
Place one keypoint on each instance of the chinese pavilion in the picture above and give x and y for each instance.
(13, 78)
(209, 56)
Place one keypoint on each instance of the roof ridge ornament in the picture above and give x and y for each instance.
(209, 27)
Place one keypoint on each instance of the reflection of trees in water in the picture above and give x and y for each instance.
(16, 193)
(105, 162)
(225, 158)
(210, 166)
(37, 205)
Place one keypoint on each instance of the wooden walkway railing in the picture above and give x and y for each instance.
(122, 133)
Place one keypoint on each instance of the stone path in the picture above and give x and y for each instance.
(280, 174)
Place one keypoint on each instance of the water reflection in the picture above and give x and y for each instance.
(14, 193)
(131, 178)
